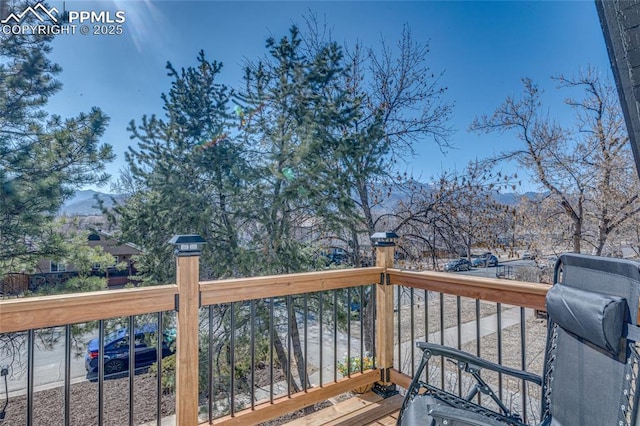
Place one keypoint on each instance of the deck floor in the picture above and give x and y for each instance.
(360, 410)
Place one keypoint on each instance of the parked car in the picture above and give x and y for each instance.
(527, 255)
(486, 259)
(116, 349)
(458, 265)
(548, 262)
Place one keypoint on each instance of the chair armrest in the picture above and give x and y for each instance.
(458, 417)
(436, 349)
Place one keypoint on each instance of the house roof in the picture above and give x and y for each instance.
(111, 245)
(620, 21)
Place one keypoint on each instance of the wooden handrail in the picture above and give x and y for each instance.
(236, 290)
(529, 295)
(51, 311)
(56, 310)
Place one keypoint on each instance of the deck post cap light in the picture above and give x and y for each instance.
(187, 245)
(384, 239)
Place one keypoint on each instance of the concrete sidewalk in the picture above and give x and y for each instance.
(488, 326)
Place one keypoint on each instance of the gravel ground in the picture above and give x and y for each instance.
(48, 404)
(535, 340)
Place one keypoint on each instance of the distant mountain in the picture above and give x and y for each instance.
(512, 198)
(396, 196)
(83, 203)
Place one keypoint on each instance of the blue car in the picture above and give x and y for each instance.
(116, 349)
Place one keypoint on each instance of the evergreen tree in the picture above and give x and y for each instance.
(43, 157)
(186, 176)
(294, 110)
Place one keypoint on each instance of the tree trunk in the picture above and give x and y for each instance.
(577, 235)
(284, 360)
(368, 311)
(297, 346)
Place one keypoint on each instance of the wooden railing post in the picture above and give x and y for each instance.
(187, 304)
(385, 251)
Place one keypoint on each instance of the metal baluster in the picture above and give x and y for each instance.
(398, 304)
(335, 335)
(321, 331)
(523, 346)
(499, 325)
(413, 334)
(253, 354)
(478, 337)
(373, 322)
(360, 312)
(159, 350)
(232, 361)
(426, 330)
(441, 339)
(30, 374)
(459, 333)
(67, 375)
(271, 334)
(101, 372)
(306, 339)
(289, 372)
(210, 366)
(132, 363)
(348, 293)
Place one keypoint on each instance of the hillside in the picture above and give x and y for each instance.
(84, 203)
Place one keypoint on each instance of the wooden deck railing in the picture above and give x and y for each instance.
(508, 292)
(52, 311)
(528, 295)
(189, 294)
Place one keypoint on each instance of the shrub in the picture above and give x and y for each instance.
(353, 365)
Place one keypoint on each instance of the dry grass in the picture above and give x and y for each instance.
(449, 303)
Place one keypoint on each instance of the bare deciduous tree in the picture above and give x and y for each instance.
(585, 169)
(613, 189)
(397, 88)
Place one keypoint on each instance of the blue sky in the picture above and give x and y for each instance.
(483, 48)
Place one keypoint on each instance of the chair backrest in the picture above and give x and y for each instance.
(591, 368)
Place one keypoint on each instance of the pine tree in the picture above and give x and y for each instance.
(43, 157)
(186, 176)
(295, 108)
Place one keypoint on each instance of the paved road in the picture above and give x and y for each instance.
(49, 365)
(48, 369)
(490, 272)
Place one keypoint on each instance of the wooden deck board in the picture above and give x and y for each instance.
(390, 420)
(366, 409)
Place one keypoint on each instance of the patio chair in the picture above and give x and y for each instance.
(591, 366)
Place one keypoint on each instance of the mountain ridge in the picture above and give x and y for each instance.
(84, 203)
